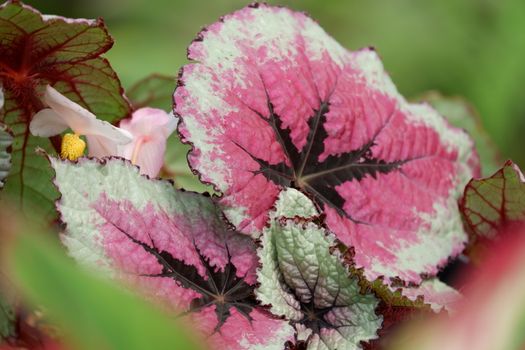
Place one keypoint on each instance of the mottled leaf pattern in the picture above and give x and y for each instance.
(38, 50)
(491, 203)
(272, 101)
(6, 139)
(463, 115)
(171, 245)
(303, 281)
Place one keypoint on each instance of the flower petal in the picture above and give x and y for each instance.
(151, 157)
(150, 128)
(171, 126)
(104, 129)
(100, 146)
(47, 123)
(82, 121)
(75, 116)
(150, 121)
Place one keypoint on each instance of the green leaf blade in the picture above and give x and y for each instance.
(303, 279)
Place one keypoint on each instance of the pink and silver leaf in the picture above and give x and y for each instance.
(172, 246)
(272, 101)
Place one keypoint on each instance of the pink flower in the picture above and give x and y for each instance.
(150, 128)
(103, 138)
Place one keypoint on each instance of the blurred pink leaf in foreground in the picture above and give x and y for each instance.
(491, 314)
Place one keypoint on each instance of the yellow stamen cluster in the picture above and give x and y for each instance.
(72, 147)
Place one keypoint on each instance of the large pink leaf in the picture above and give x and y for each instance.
(38, 50)
(171, 245)
(273, 101)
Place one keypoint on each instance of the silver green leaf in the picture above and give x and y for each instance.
(303, 279)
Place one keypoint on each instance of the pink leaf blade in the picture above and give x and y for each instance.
(171, 246)
(278, 103)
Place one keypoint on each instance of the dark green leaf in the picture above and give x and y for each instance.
(155, 91)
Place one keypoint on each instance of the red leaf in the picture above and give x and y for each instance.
(492, 203)
(38, 50)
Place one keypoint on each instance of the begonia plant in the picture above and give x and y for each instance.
(335, 206)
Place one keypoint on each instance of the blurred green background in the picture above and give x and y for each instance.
(472, 48)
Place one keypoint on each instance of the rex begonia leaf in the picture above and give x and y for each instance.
(491, 203)
(306, 283)
(460, 113)
(272, 101)
(38, 50)
(6, 139)
(171, 245)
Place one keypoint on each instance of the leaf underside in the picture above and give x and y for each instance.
(490, 204)
(64, 53)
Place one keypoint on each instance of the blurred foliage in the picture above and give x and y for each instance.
(492, 313)
(7, 313)
(155, 91)
(471, 48)
(91, 312)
